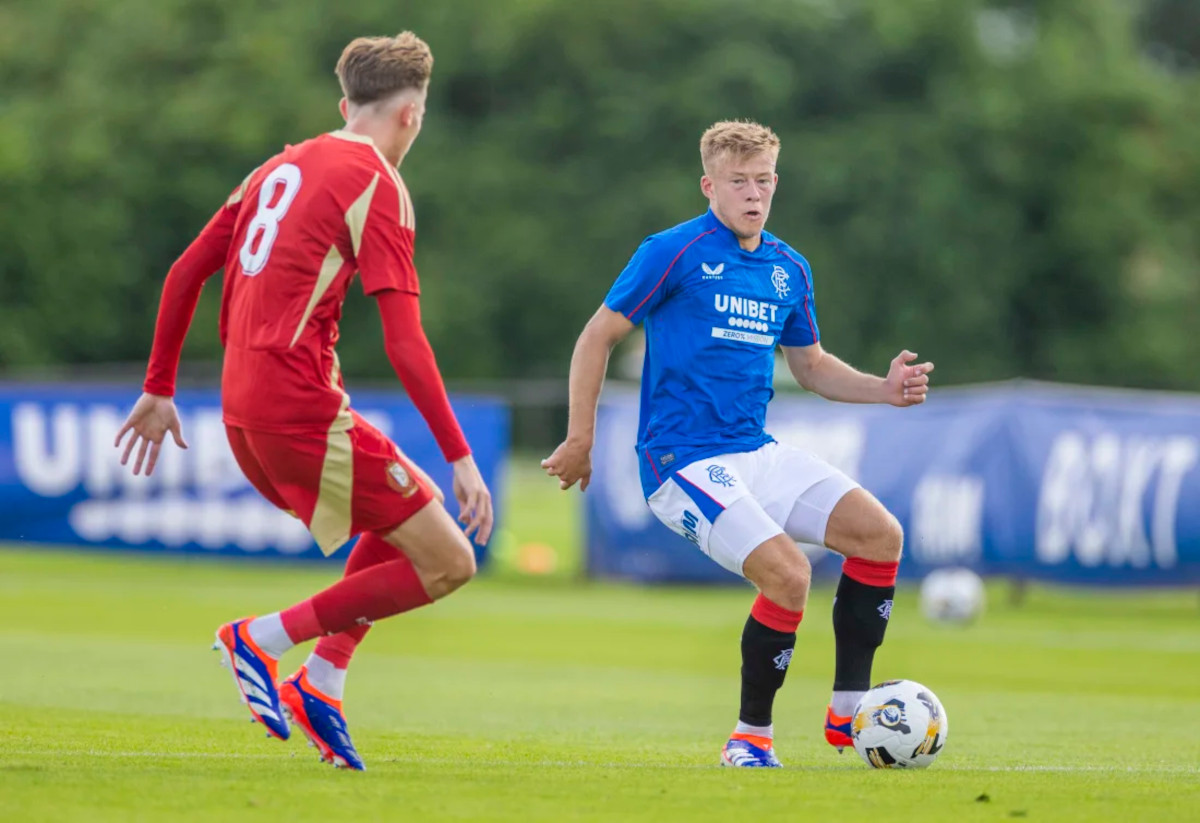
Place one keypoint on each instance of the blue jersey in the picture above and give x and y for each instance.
(713, 314)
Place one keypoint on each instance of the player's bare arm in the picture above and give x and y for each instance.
(571, 462)
(822, 373)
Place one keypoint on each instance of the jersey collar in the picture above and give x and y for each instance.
(726, 235)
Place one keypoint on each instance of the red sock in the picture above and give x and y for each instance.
(370, 550)
(774, 616)
(871, 572)
(377, 591)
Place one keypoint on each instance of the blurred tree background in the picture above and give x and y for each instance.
(1012, 189)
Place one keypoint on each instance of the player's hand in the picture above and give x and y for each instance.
(571, 462)
(474, 499)
(906, 385)
(152, 417)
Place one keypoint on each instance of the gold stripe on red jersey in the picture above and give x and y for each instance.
(356, 215)
(408, 217)
(329, 269)
(240, 191)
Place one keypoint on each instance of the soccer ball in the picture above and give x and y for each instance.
(952, 596)
(899, 724)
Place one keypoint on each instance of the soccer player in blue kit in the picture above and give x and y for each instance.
(716, 294)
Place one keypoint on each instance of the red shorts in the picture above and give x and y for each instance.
(339, 483)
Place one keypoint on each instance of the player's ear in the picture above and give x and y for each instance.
(706, 185)
(344, 108)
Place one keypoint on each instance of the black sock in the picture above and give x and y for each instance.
(766, 654)
(860, 617)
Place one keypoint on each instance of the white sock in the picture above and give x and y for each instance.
(757, 731)
(269, 634)
(844, 702)
(325, 677)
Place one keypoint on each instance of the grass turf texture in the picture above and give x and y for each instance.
(547, 701)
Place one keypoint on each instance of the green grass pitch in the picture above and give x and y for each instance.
(545, 700)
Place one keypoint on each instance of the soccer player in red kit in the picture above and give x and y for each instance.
(291, 238)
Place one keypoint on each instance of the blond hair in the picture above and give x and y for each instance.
(374, 68)
(736, 138)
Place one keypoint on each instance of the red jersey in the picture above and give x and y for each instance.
(291, 238)
(304, 223)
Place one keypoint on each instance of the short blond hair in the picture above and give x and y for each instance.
(374, 68)
(737, 138)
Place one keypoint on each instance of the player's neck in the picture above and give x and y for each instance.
(746, 243)
(381, 136)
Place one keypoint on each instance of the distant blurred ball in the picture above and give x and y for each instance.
(952, 596)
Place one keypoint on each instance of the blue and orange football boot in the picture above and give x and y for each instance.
(254, 674)
(749, 751)
(320, 718)
(837, 730)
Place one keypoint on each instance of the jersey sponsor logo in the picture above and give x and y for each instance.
(720, 475)
(746, 307)
(744, 336)
(779, 279)
(400, 480)
(711, 273)
(782, 659)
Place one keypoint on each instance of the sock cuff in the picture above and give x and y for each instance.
(300, 621)
(774, 616)
(871, 572)
(337, 649)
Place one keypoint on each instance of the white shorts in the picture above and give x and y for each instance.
(777, 489)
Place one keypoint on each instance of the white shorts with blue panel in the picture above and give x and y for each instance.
(730, 504)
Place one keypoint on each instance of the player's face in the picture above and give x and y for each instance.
(740, 191)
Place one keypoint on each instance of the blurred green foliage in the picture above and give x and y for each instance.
(1009, 189)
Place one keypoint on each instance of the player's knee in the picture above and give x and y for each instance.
(456, 570)
(787, 586)
(885, 541)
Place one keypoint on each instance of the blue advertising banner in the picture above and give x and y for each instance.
(1071, 485)
(61, 480)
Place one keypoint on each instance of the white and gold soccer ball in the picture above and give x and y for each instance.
(899, 724)
(952, 596)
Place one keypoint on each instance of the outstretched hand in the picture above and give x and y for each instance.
(906, 385)
(571, 462)
(474, 500)
(152, 417)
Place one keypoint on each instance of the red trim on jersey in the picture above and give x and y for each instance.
(774, 616)
(412, 357)
(180, 294)
(668, 271)
(812, 326)
(652, 467)
(871, 572)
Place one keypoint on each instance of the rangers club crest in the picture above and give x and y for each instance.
(720, 475)
(400, 480)
(779, 279)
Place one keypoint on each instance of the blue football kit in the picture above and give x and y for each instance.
(713, 314)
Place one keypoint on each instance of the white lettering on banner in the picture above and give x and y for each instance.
(947, 519)
(1094, 493)
(57, 448)
(47, 454)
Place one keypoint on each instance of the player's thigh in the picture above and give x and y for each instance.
(800, 491)
(248, 462)
(860, 526)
